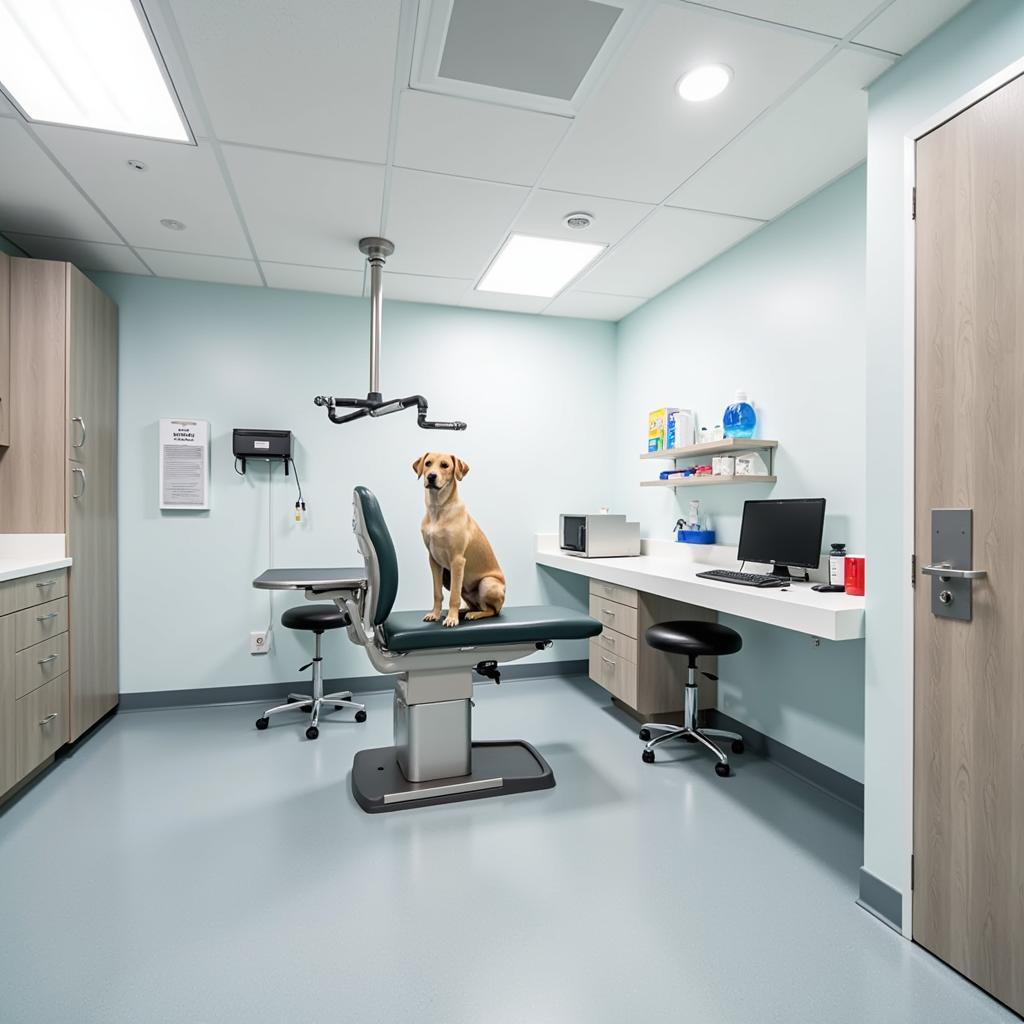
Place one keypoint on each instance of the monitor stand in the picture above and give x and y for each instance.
(783, 573)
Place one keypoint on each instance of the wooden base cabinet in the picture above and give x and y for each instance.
(59, 472)
(647, 682)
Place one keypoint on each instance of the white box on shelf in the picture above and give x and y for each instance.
(723, 465)
(750, 465)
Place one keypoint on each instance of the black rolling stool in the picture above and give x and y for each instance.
(692, 639)
(315, 618)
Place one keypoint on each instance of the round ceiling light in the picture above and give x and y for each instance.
(578, 221)
(173, 225)
(704, 83)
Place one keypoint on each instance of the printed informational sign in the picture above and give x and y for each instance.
(185, 464)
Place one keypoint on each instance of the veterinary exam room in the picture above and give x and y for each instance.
(507, 511)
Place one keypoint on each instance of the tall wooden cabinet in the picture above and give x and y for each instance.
(59, 472)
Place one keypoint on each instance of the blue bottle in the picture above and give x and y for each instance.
(739, 419)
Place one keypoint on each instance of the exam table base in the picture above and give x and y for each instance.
(498, 768)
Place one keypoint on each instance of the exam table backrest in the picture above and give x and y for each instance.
(379, 551)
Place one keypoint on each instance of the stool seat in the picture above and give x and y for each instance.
(314, 617)
(694, 639)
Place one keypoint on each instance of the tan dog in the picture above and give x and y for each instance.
(460, 555)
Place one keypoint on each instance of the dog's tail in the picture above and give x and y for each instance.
(446, 579)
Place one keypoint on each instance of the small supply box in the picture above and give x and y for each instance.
(681, 429)
(657, 429)
(695, 536)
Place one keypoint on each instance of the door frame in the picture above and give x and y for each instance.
(910, 140)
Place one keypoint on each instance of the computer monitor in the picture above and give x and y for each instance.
(783, 532)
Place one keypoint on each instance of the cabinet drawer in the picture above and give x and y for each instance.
(619, 617)
(37, 665)
(618, 643)
(612, 592)
(45, 621)
(42, 723)
(615, 674)
(32, 590)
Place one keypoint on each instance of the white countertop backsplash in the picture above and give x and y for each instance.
(25, 554)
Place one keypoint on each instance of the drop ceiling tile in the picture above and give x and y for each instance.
(35, 196)
(636, 139)
(419, 288)
(832, 17)
(477, 140)
(545, 210)
(594, 305)
(180, 182)
(506, 303)
(902, 26)
(449, 227)
(665, 248)
(306, 210)
(197, 267)
(118, 259)
(6, 107)
(313, 76)
(312, 279)
(806, 142)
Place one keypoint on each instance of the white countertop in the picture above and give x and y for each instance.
(673, 574)
(25, 554)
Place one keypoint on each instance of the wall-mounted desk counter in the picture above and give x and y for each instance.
(829, 616)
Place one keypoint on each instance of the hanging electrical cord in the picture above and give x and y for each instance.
(270, 541)
(376, 251)
(300, 504)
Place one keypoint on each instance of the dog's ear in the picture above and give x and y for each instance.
(461, 469)
(417, 466)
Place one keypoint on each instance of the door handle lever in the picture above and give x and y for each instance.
(946, 572)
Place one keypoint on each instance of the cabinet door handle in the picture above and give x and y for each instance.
(46, 618)
(608, 612)
(46, 583)
(608, 661)
(49, 718)
(46, 661)
(81, 422)
(78, 469)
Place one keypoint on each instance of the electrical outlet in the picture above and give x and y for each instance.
(259, 641)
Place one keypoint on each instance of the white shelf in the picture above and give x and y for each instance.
(707, 481)
(730, 445)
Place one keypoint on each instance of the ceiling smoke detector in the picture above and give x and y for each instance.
(578, 221)
(136, 165)
(173, 225)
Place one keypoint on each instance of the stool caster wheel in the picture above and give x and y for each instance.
(262, 723)
(737, 746)
(308, 708)
(312, 732)
(360, 715)
(290, 700)
(644, 734)
(648, 756)
(690, 739)
(722, 770)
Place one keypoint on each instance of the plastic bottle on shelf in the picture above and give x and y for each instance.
(740, 419)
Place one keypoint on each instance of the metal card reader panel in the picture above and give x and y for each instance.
(952, 546)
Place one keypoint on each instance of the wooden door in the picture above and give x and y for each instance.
(5, 349)
(969, 675)
(92, 502)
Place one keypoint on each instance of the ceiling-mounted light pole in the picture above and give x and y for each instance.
(376, 251)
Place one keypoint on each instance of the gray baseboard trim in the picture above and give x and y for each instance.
(881, 900)
(828, 779)
(273, 693)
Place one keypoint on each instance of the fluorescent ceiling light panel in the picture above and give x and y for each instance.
(527, 265)
(88, 64)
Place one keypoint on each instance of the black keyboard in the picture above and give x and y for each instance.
(744, 579)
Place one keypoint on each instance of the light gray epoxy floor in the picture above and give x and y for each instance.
(183, 867)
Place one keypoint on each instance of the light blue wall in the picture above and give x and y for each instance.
(782, 317)
(982, 40)
(533, 390)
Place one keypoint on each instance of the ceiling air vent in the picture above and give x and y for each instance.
(539, 54)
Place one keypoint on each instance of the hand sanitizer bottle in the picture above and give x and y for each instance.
(740, 419)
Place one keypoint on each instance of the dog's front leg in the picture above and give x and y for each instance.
(458, 570)
(437, 573)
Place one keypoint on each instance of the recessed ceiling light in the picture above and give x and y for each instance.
(578, 221)
(704, 83)
(90, 65)
(527, 265)
(173, 225)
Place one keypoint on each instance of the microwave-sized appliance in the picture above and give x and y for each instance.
(598, 536)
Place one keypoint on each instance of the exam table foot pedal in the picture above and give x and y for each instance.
(500, 767)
